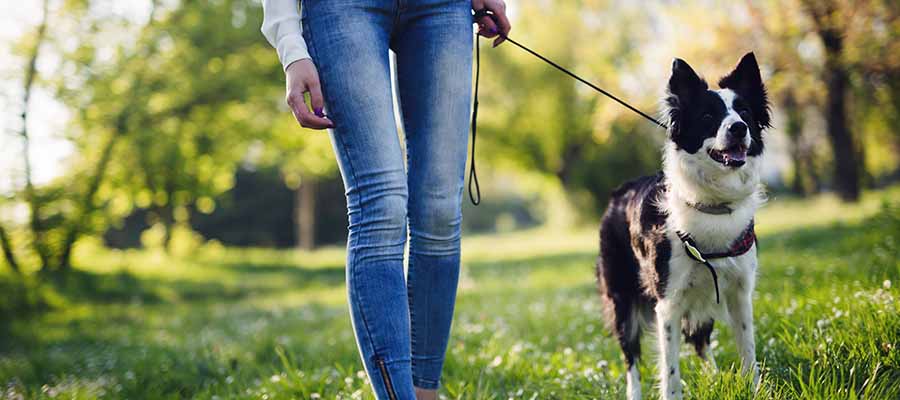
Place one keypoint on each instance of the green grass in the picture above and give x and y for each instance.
(230, 323)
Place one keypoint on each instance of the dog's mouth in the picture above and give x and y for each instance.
(734, 156)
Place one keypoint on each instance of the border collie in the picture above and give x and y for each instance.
(678, 249)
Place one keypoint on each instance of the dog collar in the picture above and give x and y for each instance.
(714, 209)
(742, 245)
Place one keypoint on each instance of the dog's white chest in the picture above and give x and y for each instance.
(692, 288)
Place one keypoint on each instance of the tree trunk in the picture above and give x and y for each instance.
(167, 218)
(87, 204)
(8, 252)
(794, 131)
(88, 201)
(830, 26)
(31, 198)
(846, 162)
(305, 214)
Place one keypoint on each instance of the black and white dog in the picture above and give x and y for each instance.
(671, 243)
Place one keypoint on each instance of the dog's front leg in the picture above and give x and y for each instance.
(741, 310)
(668, 332)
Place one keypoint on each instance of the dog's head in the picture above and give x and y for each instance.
(715, 134)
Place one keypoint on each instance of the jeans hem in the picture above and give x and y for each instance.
(426, 384)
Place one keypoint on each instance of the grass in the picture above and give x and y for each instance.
(231, 323)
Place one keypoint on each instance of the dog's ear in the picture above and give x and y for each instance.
(747, 82)
(684, 83)
(684, 87)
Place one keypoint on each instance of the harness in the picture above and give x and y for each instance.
(739, 247)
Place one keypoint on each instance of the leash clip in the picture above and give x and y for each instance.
(694, 252)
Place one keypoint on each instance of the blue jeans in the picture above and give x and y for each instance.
(402, 326)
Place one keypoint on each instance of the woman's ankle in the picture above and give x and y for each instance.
(426, 394)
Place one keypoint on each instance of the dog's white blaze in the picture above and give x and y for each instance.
(731, 116)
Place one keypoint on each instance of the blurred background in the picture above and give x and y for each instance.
(162, 123)
(168, 230)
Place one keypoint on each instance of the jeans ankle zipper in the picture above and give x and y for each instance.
(387, 379)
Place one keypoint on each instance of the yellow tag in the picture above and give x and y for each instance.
(696, 253)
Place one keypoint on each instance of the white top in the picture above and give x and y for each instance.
(281, 27)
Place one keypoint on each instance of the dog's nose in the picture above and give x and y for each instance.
(737, 130)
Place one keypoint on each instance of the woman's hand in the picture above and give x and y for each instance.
(302, 77)
(493, 27)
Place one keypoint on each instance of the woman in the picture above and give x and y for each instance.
(338, 53)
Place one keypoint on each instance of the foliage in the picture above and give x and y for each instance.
(168, 103)
(239, 323)
(164, 112)
(538, 119)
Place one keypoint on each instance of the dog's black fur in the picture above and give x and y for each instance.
(636, 243)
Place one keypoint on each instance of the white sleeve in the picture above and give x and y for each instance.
(281, 27)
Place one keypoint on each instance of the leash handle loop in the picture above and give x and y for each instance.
(475, 196)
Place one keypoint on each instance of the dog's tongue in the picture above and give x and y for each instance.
(736, 154)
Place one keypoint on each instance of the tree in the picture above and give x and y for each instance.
(810, 80)
(31, 196)
(198, 93)
(535, 118)
(830, 21)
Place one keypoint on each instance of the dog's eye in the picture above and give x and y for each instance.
(744, 113)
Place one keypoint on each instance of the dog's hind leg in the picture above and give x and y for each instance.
(617, 275)
(628, 330)
(699, 336)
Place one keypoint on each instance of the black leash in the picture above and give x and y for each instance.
(740, 246)
(582, 80)
(475, 196)
(690, 247)
(473, 176)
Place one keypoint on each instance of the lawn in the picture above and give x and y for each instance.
(230, 323)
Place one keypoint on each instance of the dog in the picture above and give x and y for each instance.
(678, 249)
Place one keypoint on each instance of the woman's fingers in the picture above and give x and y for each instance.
(487, 27)
(318, 102)
(503, 25)
(308, 119)
(304, 116)
(498, 7)
(495, 25)
(301, 78)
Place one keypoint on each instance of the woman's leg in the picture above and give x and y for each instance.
(348, 41)
(434, 69)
